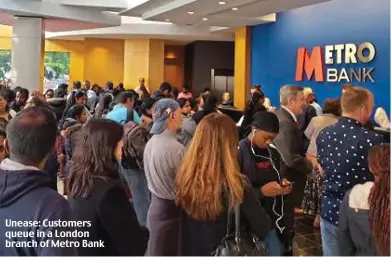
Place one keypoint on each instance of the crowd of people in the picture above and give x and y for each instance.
(164, 173)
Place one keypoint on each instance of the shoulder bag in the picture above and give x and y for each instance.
(240, 244)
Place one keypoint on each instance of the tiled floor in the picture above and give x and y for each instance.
(307, 241)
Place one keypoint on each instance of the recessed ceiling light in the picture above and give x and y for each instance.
(235, 9)
(204, 19)
(168, 20)
(221, 2)
(190, 12)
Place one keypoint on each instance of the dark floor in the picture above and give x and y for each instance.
(307, 241)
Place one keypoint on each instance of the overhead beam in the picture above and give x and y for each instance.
(101, 4)
(166, 8)
(53, 10)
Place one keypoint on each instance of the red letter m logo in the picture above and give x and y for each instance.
(309, 63)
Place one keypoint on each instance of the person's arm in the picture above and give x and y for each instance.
(120, 222)
(257, 218)
(289, 148)
(346, 243)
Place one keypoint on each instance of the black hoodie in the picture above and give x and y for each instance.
(26, 195)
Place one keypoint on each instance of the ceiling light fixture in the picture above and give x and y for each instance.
(204, 19)
(235, 9)
(168, 20)
(190, 12)
(221, 2)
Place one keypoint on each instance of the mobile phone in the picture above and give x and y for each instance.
(289, 184)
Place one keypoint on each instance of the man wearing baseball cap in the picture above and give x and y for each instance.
(162, 156)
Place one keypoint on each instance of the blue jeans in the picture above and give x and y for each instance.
(330, 236)
(273, 244)
(141, 196)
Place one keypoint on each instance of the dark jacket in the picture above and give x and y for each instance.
(199, 115)
(58, 106)
(26, 195)
(202, 237)
(355, 230)
(113, 220)
(158, 95)
(52, 166)
(304, 120)
(260, 176)
(294, 165)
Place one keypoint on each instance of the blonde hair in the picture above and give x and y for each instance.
(210, 169)
(354, 99)
(307, 91)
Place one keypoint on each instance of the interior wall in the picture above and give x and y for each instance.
(205, 56)
(104, 60)
(5, 37)
(174, 65)
(274, 46)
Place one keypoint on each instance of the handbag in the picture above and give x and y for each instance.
(238, 243)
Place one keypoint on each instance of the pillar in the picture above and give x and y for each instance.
(27, 58)
(242, 66)
(144, 58)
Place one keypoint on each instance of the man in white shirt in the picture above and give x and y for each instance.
(91, 95)
(141, 86)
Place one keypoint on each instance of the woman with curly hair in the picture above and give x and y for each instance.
(365, 211)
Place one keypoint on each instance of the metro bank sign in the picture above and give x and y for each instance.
(324, 64)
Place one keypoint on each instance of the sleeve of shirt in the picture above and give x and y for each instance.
(136, 118)
(289, 148)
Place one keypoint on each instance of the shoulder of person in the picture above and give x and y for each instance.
(103, 186)
(52, 203)
(371, 135)
(282, 114)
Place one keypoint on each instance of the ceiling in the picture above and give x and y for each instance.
(178, 20)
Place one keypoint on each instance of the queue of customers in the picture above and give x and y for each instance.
(165, 174)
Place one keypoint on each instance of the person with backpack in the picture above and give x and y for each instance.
(135, 138)
(123, 111)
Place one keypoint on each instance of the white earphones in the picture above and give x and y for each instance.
(281, 215)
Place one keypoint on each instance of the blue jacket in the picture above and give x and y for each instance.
(120, 114)
(27, 195)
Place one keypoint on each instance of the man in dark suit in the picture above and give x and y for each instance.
(289, 143)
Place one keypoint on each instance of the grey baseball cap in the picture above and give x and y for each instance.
(160, 113)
